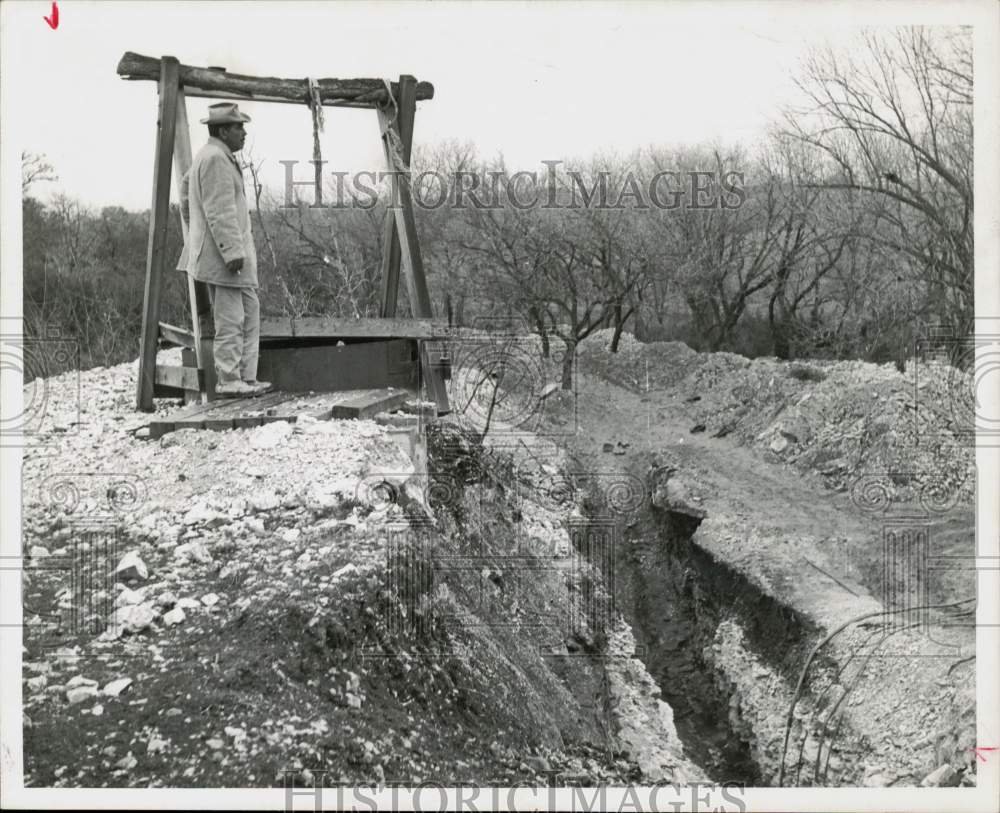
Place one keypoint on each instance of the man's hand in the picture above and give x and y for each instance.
(235, 266)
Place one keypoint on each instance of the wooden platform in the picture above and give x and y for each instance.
(241, 413)
(341, 328)
(303, 364)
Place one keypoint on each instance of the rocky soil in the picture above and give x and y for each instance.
(234, 608)
(244, 607)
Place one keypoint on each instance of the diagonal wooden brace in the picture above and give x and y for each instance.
(409, 247)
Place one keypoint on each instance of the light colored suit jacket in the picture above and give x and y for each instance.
(214, 204)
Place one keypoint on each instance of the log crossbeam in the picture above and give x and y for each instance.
(216, 83)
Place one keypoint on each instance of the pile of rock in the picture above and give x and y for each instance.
(851, 421)
(862, 426)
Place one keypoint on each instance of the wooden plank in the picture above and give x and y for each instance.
(212, 82)
(433, 380)
(194, 422)
(239, 413)
(243, 413)
(208, 359)
(190, 418)
(181, 378)
(158, 229)
(250, 421)
(347, 328)
(201, 409)
(246, 421)
(369, 404)
(213, 414)
(219, 422)
(254, 402)
(406, 101)
(188, 359)
(299, 404)
(176, 335)
(369, 328)
(163, 391)
(161, 426)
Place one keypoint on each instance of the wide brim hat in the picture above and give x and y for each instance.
(225, 113)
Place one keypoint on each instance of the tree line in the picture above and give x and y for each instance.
(852, 234)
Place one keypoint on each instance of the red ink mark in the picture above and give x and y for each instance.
(981, 748)
(54, 21)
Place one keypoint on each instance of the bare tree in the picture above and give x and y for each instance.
(35, 168)
(814, 229)
(566, 270)
(452, 272)
(723, 256)
(894, 121)
(612, 237)
(258, 195)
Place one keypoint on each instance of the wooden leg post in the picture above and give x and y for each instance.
(390, 269)
(407, 110)
(158, 225)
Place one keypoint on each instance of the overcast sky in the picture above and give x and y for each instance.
(534, 81)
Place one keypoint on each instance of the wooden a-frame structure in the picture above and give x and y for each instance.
(395, 103)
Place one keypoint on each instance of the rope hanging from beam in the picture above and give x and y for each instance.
(391, 134)
(318, 122)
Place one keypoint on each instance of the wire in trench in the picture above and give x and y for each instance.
(837, 705)
(849, 689)
(834, 682)
(812, 655)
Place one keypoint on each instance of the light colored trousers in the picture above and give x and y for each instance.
(237, 332)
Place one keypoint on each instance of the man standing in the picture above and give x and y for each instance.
(220, 250)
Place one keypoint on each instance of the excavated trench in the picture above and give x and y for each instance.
(675, 595)
(681, 604)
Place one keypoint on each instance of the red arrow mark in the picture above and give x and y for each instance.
(979, 748)
(54, 20)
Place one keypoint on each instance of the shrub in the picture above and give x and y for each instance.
(806, 372)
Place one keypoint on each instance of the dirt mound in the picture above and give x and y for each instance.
(885, 435)
(652, 366)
